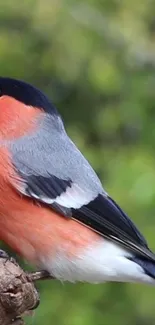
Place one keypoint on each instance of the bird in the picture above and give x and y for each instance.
(54, 211)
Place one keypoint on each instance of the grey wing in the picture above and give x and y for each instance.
(53, 170)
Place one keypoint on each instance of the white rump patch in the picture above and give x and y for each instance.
(104, 262)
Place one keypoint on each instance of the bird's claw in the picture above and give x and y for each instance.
(3, 254)
(39, 275)
(7, 258)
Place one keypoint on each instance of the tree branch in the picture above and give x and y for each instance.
(17, 292)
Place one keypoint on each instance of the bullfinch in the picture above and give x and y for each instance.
(54, 211)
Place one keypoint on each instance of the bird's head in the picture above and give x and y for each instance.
(20, 101)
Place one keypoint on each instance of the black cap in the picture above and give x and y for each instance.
(26, 94)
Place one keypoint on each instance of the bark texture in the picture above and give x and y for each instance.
(18, 294)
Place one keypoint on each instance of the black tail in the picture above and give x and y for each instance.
(147, 265)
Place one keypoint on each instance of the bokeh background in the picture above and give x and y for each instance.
(96, 61)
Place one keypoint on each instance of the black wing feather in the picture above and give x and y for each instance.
(105, 217)
(50, 187)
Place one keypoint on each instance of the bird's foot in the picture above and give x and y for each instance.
(3, 254)
(39, 275)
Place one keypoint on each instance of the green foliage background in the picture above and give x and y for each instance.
(96, 61)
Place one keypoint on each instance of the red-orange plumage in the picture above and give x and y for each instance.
(16, 118)
(30, 228)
